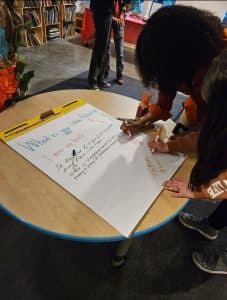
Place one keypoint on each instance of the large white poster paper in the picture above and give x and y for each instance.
(117, 177)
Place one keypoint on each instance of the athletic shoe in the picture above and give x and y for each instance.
(198, 224)
(93, 86)
(104, 84)
(214, 264)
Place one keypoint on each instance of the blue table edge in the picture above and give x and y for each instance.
(92, 239)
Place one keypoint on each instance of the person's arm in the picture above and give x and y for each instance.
(121, 18)
(177, 144)
(184, 144)
(157, 111)
(215, 190)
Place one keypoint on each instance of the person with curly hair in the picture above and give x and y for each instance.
(208, 178)
(173, 53)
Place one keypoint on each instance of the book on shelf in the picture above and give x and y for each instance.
(69, 2)
(70, 12)
(33, 38)
(51, 15)
(68, 29)
(32, 17)
(51, 2)
(32, 3)
(43, 15)
(53, 34)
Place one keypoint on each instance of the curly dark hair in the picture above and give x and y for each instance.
(212, 144)
(176, 42)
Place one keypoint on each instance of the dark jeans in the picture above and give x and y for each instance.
(99, 53)
(218, 219)
(118, 32)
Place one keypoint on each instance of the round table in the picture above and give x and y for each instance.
(34, 199)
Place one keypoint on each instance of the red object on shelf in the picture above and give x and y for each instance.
(133, 27)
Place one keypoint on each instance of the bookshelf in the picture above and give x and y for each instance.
(49, 19)
(78, 22)
(31, 11)
(68, 18)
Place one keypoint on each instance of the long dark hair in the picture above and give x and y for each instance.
(212, 144)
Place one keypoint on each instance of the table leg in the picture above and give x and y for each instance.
(120, 255)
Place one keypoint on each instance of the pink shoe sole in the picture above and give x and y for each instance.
(119, 81)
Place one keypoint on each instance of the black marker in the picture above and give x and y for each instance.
(125, 119)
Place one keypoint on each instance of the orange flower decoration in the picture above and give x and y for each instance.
(8, 84)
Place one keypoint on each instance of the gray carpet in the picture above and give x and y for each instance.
(159, 266)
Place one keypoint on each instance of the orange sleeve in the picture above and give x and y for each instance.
(161, 109)
(190, 108)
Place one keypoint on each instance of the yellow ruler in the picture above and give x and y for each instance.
(43, 118)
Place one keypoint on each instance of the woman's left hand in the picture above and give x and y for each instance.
(179, 188)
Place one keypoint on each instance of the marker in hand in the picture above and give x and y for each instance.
(157, 137)
(126, 119)
(125, 123)
(128, 131)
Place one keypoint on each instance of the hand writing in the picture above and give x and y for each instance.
(131, 127)
(179, 188)
(158, 146)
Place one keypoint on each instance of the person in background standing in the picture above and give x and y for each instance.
(118, 23)
(103, 12)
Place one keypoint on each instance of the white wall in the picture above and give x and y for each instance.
(216, 7)
(149, 7)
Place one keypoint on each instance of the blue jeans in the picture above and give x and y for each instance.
(118, 32)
